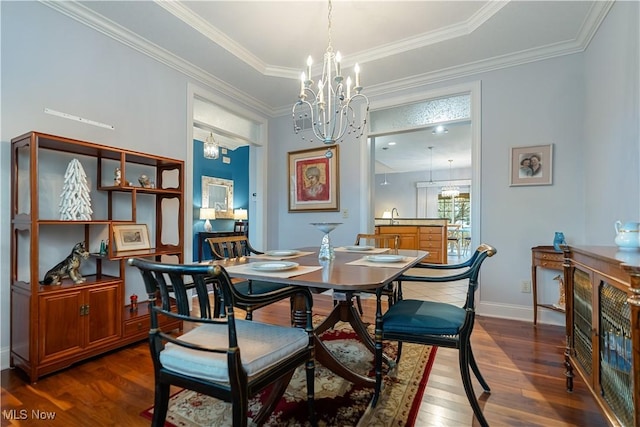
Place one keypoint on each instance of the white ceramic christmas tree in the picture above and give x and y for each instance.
(75, 203)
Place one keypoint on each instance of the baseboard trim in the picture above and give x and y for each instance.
(519, 312)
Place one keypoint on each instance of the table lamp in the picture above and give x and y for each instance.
(240, 214)
(207, 214)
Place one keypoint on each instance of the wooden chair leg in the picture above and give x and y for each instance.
(359, 303)
(476, 371)
(378, 369)
(240, 411)
(311, 378)
(399, 352)
(160, 405)
(463, 356)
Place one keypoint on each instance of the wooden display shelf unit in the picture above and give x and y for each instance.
(55, 326)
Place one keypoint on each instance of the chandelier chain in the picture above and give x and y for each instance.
(329, 48)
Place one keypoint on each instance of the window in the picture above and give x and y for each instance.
(457, 209)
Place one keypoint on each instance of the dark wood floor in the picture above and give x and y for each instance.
(521, 363)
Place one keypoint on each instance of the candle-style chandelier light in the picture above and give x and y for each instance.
(329, 105)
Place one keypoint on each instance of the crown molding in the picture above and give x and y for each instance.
(429, 38)
(109, 28)
(86, 16)
(588, 29)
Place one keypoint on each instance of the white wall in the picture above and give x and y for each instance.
(612, 124)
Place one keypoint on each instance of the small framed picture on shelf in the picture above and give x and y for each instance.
(130, 237)
(532, 165)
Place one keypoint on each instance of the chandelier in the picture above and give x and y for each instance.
(329, 104)
(211, 148)
(450, 190)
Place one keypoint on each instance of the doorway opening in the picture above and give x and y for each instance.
(393, 120)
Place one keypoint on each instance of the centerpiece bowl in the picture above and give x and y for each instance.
(326, 249)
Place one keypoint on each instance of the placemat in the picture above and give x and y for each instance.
(280, 258)
(400, 264)
(246, 269)
(371, 251)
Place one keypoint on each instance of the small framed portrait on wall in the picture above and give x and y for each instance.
(532, 165)
(313, 180)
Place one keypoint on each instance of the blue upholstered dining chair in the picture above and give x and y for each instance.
(435, 323)
(222, 357)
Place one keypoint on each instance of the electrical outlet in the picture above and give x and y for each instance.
(525, 286)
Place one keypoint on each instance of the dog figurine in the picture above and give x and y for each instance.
(69, 267)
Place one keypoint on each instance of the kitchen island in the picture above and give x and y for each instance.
(425, 234)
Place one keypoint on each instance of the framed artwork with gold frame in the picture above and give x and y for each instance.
(314, 180)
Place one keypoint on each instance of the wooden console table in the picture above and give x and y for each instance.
(544, 257)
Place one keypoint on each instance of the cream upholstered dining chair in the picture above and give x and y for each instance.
(454, 239)
(391, 241)
(225, 358)
(436, 323)
(229, 247)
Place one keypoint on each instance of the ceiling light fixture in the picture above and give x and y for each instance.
(385, 180)
(330, 108)
(211, 148)
(439, 130)
(450, 190)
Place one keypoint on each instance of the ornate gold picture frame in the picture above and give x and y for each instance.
(314, 180)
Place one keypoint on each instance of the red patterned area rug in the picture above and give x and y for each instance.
(338, 402)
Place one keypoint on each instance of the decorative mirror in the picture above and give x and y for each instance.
(217, 193)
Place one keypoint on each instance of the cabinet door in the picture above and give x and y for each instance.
(103, 314)
(408, 235)
(61, 324)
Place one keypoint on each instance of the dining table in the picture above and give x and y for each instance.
(353, 269)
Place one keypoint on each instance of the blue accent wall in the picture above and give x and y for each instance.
(237, 171)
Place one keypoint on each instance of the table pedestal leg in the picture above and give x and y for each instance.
(343, 311)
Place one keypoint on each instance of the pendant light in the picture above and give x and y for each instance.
(430, 165)
(211, 148)
(450, 190)
(385, 180)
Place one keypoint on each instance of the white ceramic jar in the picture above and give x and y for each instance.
(627, 235)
